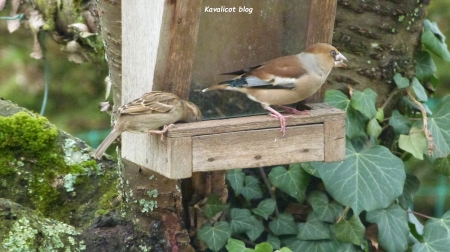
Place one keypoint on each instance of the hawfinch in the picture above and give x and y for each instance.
(148, 113)
(285, 80)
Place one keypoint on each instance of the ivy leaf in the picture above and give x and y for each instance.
(439, 126)
(374, 128)
(393, 227)
(419, 90)
(274, 241)
(297, 245)
(336, 99)
(436, 239)
(355, 121)
(283, 225)
(213, 206)
(380, 114)
(411, 187)
(251, 190)
(324, 210)
(351, 231)
(265, 208)
(236, 179)
(400, 123)
(366, 180)
(310, 169)
(442, 166)
(442, 222)
(401, 81)
(434, 40)
(216, 236)
(237, 245)
(313, 229)
(263, 247)
(256, 229)
(240, 220)
(414, 143)
(425, 66)
(293, 181)
(365, 102)
(411, 104)
(417, 224)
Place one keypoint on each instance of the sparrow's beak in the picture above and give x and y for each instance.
(339, 60)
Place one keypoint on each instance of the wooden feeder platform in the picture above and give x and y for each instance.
(246, 142)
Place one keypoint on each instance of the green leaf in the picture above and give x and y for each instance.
(374, 128)
(256, 229)
(312, 246)
(364, 102)
(434, 40)
(410, 103)
(411, 187)
(293, 181)
(442, 166)
(284, 249)
(436, 239)
(439, 127)
(366, 180)
(265, 208)
(380, 115)
(213, 206)
(355, 122)
(283, 225)
(237, 246)
(240, 220)
(401, 81)
(274, 241)
(393, 227)
(264, 247)
(324, 210)
(351, 231)
(400, 123)
(310, 169)
(442, 222)
(251, 190)
(216, 236)
(313, 229)
(425, 66)
(419, 90)
(337, 99)
(236, 179)
(414, 143)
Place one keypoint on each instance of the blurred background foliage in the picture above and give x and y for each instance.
(75, 91)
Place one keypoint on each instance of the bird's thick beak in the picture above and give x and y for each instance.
(339, 60)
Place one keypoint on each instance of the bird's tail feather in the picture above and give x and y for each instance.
(105, 144)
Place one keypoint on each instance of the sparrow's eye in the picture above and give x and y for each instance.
(333, 54)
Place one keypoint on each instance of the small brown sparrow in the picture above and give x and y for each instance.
(285, 80)
(148, 113)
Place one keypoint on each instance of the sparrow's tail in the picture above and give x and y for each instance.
(105, 144)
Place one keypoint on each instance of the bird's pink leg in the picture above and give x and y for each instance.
(291, 110)
(282, 118)
(161, 132)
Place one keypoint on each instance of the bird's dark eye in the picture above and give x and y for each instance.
(333, 53)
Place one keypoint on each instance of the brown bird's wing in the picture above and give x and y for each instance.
(152, 102)
(281, 72)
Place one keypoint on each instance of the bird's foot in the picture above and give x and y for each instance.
(282, 120)
(294, 111)
(161, 132)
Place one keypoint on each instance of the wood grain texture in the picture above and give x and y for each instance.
(177, 47)
(334, 140)
(141, 26)
(320, 113)
(171, 157)
(322, 14)
(257, 148)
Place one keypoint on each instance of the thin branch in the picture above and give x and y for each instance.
(425, 123)
(416, 213)
(390, 98)
(343, 214)
(269, 187)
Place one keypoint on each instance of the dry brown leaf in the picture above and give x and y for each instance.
(2, 4)
(75, 52)
(108, 85)
(372, 234)
(36, 21)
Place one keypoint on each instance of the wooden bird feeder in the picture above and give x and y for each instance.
(183, 46)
